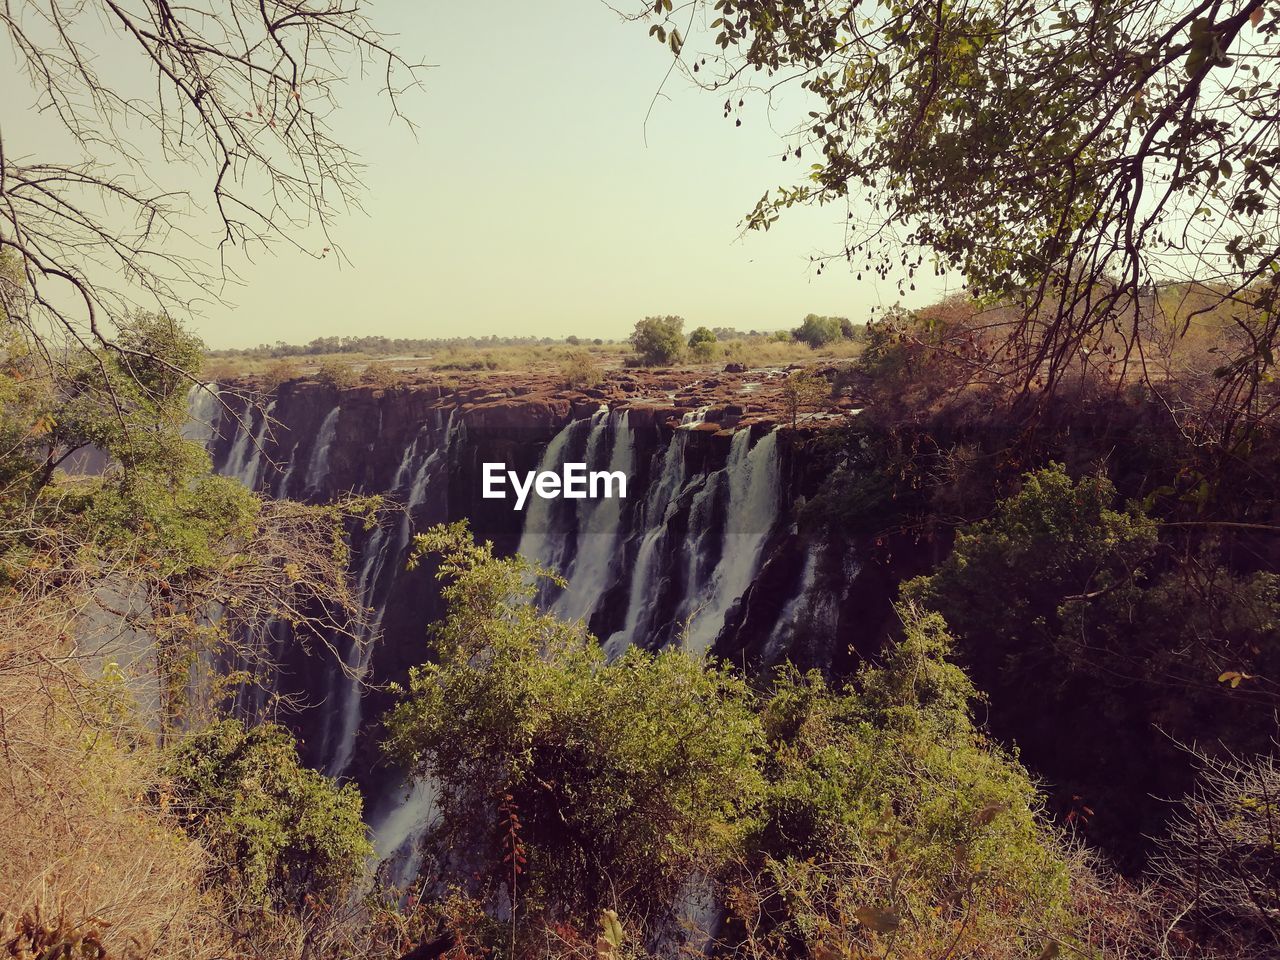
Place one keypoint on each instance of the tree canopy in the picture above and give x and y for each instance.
(1072, 161)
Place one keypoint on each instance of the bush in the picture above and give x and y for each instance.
(819, 331)
(623, 778)
(889, 816)
(580, 370)
(659, 340)
(805, 391)
(281, 830)
(279, 372)
(702, 344)
(382, 376)
(1066, 594)
(571, 785)
(340, 374)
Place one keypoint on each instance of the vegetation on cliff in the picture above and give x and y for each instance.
(847, 819)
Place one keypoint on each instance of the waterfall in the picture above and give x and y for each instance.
(599, 534)
(318, 462)
(399, 829)
(682, 550)
(784, 627)
(694, 417)
(545, 541)
(202, 413)
(342, 728)
(244, 462)
(753, 480)
(656, 513)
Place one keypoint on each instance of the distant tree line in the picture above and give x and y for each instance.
(392, 346)
(395, 346)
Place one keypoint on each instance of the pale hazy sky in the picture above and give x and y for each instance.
(530, 204)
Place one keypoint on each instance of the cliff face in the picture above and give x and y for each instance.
(705, 548)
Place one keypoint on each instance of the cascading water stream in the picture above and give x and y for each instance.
(202, 413)
(656, 513)
(599, 531)
(318, 463)
(380, 563)
(753, 478)
(545, 539)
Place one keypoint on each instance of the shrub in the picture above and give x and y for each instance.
(381, 375)
(580, 370)
(1065, 593)
(281, 830)
(1220, 858)
(625, 777)
(279, 372)
(572, 784)
(702, 344)
(659, 340)
(819, 331)
(804, 391)
(340, 374)
(889, 816)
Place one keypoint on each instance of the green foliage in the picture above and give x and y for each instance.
(819, 331)
(278, 373)
(1054, 539)
(1011, 145)
(580, 370)
(1078, 627)
(626, 775)
(382, 376)
(805, 391)
(702, 344)
(280, 830)
(157, 500)
(338, 374)
(833, 816)
(885, 806)
(658, 340)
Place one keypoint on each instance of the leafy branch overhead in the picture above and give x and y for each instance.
(238, 105)
(1072, 161)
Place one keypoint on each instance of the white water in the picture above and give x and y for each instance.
(752, 474)
(202, 409)
(397, 833)
(378, 559)
(733, 512)
(659, 506)
(244, 462)
(318, 462)
(541, 543)
(599, 535)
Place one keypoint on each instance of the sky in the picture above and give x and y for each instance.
(535, 200)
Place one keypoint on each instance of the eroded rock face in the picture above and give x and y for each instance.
(705, 549)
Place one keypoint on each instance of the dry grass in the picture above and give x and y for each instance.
(86, 859)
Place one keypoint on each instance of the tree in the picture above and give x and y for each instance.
(279, 830)
(1069, 162)
(623, 778)
(1129, 650)
(1219, 856)
(702, 344)
(658, 340)
(804, 391)
(826, 818)
(819, 331)
(892, 826)
(239, 96)
(580, 370)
